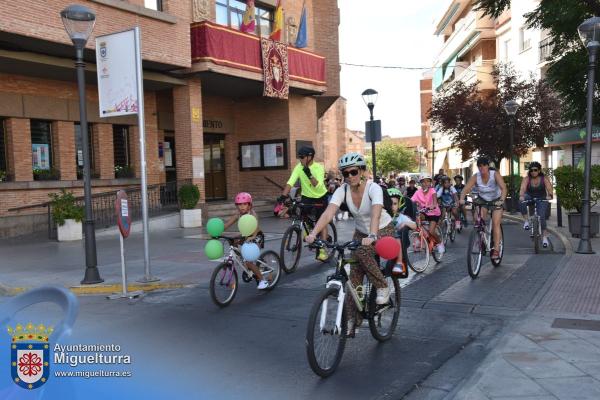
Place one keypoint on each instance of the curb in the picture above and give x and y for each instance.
(565, 240)
(105, 289)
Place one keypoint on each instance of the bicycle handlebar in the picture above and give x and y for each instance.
(533, 201)
(320, 243)
(230, 239)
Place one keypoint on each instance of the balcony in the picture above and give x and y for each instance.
(479, 71)
(546, 47)
(228, 52)
(465, 30)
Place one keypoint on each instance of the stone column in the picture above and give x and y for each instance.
(104, 150)
(18, 149)
(63, 141)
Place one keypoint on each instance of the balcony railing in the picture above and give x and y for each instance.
(546, 47)
(231, 48)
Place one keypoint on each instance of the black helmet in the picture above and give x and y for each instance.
(483, 161)
(306, 151)
(459, 177)
(535, 164)
(445, 179)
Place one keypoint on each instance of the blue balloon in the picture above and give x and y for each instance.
(250, 251)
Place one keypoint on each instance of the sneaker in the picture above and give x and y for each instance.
(322, 255)
(526, 225)
(351, 328)
(441, 248)
(545, 242)
(457, 226)
(263, 284)
(383, 295)
(495, 255)
(398, 269)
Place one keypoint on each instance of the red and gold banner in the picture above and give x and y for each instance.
(275, 69)
(228, 47)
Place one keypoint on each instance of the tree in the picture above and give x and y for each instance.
(476, 120)
(567, 72)
(392, 157)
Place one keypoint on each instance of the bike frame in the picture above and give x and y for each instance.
(536, 215)
(484, 229)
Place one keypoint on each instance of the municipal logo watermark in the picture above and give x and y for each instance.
(30, 360)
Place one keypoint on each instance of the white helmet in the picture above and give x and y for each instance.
(351, 160)
(425, 177)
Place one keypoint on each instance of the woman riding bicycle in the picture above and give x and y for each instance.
(364, 199)
(536, 186)
(491, 191)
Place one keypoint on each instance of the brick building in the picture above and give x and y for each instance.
(206, 119)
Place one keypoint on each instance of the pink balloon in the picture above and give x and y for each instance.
(387, 247)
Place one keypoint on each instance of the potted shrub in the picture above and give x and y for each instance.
(3, 176)
(67, 215)
(124, 171)
(512, 203)
(188, 196)
(569, 189)
(45, 174)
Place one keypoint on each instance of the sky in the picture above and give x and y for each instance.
(387, 32)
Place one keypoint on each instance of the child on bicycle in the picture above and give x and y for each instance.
(448, 198)
(459, 186)
(400, 221)
(426, 197)
(243, 202)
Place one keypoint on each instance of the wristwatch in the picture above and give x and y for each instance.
(372, 236)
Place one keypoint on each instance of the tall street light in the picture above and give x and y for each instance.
(79, 22)
(370, 98)
(511, 108)
(589, 32)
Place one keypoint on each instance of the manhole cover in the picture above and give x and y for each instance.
(580, 324)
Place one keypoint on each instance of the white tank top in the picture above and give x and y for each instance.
(489, 191)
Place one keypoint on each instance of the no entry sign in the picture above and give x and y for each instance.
(122, 210)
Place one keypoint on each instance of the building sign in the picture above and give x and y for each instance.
(117, 76)
(195, 114)
(573, 136)
(40, 156)
(217, 125)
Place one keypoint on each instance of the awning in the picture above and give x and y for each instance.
(438, 77)
(454, 159)
(440, 157)
(450, 68)
(469, 45)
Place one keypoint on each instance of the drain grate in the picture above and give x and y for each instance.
(580, 324)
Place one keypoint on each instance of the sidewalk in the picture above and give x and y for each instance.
(553, 350)
(176, 257)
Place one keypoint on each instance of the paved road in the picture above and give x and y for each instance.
(255, 348)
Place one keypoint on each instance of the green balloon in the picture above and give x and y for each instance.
(215, 227)
(247, 224)
(213, 249)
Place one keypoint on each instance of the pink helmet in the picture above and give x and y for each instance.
(243, 197)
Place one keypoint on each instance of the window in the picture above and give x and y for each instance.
(3, 162)
(41, 145)
(231, 13)
(267, 154)
(79, 149)
(506, 50)
(121, 145)
(153, 4)
(524, 43)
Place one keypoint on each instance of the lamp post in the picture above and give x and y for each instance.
(589, 32)
(511, 108)
(79, 22)
(370, 98)
(432, 156)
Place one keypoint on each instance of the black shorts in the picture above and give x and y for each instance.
(431, 218)
(314, 208)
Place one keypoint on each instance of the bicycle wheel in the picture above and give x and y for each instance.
(452, 230)
(445, 230)
(497, 262)
(384, 318)
(223, 284)
(437, 256)
(270, 267)
(536, 235)
(291, 247)
(331, 233)
(417, 252)
(474, 253)
(324, 343)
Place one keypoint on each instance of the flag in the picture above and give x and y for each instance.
(301, 39)
(278, 23)
(249, 22)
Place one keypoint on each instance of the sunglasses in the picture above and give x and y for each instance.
(352, 172)
(302, 157)
(534, 170)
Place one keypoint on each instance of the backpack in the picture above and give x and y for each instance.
(387, 200)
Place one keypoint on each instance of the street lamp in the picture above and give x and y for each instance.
(511, 108)
(589, 32)
(370, 98)
(79, 22)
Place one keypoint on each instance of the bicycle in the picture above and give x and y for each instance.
(422, 245)
(480, 242)
(291, 242)
(448, 226)
(224, 279)
(535, 223)
(328, 323)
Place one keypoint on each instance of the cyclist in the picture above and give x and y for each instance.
(400, 221)
(459, 186)
(412, 188)
(364, 199)
(243, 203)
(491, 191)
(426, 197)
(448, 198)
(536, 186)
(312, 184)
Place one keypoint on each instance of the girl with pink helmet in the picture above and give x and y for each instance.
(243, 203)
